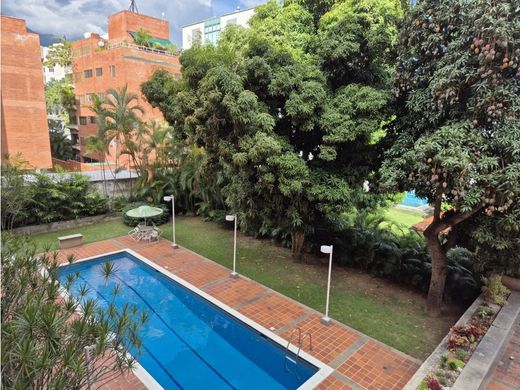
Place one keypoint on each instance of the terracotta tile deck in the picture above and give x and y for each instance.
(507, 373)
(359, 361)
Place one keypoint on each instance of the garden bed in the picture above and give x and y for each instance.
(452, 364)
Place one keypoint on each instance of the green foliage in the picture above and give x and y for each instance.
(457, 135)
(41, 198)
(44, 338)
(157, 220)
(142, 37)
(59, 54)
(293, 152)
(14, 194)
(61, 145)
(483, 312)
(494, 291)
(366, 241)
(455, 364)
(59, 97)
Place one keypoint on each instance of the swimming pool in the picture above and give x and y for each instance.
(191, 341)
(412, 200)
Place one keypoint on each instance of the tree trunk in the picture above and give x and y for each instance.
(298, 240)
(438, 277)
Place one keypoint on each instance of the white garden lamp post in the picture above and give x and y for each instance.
(326, 319)
(230, 218)
(171, 198)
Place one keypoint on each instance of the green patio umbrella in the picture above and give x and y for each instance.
(144, 212)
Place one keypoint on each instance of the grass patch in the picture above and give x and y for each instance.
(386, 312)
(402, 217)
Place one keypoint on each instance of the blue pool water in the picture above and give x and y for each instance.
(188, 343)
(412, 200)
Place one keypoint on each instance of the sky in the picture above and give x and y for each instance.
(72, 18)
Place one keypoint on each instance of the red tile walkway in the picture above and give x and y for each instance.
(359, 361)
(506, 375)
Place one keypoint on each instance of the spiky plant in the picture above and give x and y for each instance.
(46, 343)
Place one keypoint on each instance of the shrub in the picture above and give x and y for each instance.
(455, 364)
(41, 198)
(494, 291)
(368, 244)
(157, 220)
(43, 337)
(464, 335)
(432, 384)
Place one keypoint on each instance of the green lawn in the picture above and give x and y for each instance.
(386, 312)
(403, 217)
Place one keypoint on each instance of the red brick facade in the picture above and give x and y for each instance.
(99, 65)
(24, 113)
(121, 24)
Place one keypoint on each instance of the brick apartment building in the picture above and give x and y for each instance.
(24, 113)
(101, 63)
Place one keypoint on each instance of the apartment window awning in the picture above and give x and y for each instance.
(155, 41)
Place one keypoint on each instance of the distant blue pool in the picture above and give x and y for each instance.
(188, 342)
(412, 200)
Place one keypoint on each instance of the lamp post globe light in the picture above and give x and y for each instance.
(171, 198)
(327, 249)
(230, 218)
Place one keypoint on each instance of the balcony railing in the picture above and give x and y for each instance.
(143, 48)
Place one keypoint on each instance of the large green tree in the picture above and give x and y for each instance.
(457, 137)
(294, 141)
(59, 54)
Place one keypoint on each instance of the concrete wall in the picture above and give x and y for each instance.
(122, 188)
(24, 113)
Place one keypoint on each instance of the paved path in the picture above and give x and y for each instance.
(359, 361)
(506, 375)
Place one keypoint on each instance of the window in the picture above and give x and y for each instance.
(87, 73)
(212, 31)
(112, 70)
(51, 70)
(92, 119)
(101, 95)
(82, 120)
(99, 72)
(82, 99)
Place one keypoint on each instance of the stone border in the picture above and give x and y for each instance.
(433, 360)
(487, 351)
(60, 225)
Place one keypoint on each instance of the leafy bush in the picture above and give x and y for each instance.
(464, 335)
(157, 220)
(368, 244)
(494, 291)
(62, 197)
(43, 337)
(42, 198)
(455, 364)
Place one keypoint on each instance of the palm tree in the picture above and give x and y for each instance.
(118, 118)
(96, 145)
(142, 37)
